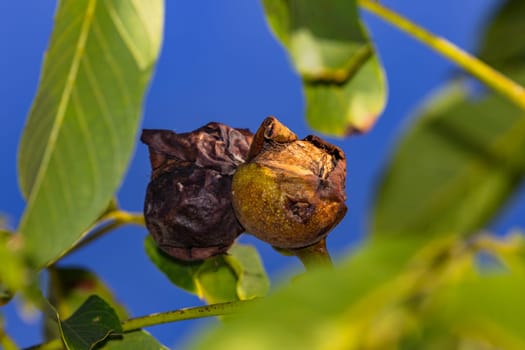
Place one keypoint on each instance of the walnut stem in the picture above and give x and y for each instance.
(313, 256)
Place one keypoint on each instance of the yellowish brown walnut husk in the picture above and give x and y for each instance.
(291, 192)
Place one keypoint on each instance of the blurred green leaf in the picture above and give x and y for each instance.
(454, 168)
(503, 46)
(69, 288)
(81, 128)
(325, 308)
(344, 84)
(13, 272)
(389, 295)
(488, 309)
(93, 322)
(138, 340)
(239, 275)
(462, 159)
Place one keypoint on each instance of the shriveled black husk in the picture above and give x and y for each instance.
(188, 208)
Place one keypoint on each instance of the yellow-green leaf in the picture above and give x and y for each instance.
(486, 310)
(216, 281)
(239, 275)
(454, 168)
(81, 129)
(343, 81)
(252, 279)
(389, 295)
(322, 310)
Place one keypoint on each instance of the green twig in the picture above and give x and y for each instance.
(220, 309)
(133, 324)
(491, 77)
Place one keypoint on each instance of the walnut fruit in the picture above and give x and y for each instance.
(290, 193)
(188, 208)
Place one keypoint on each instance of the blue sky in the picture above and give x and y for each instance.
(220, 63)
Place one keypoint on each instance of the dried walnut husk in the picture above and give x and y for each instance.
(188, 208)
(290, 193)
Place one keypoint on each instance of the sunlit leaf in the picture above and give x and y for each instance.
(343, 81)
(239, 275)
(216, 281)
(323, 309)
(454, 168)
(138, 340)
(252, 279)
(82, 126)
(93, 322)
(390, 295)
(343, 109)
(488, 310)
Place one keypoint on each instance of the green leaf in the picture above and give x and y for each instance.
(323, 309)
(503, 46)
(343, 80)
(239, 275)
(389, 295)
(454, 168)
(92, 323)
(82, 126)
(13, 272)
(180, 273)
(216, 281)
(489, 310)
(70, 287)
(252, 279)
(138, 340)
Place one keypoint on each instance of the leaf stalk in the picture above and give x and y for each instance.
(500, 83)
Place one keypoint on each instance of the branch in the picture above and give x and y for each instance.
(133, 324)
(190, 313)
(488, 75)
